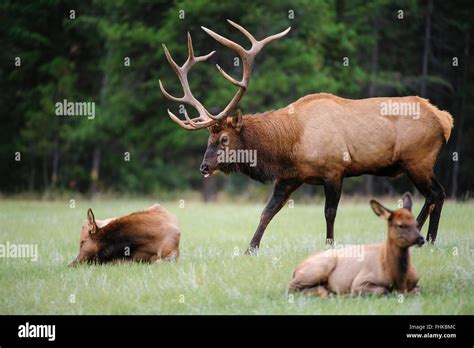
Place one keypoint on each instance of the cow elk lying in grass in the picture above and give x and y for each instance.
(150, 235)
(383, 268)
(319, 139)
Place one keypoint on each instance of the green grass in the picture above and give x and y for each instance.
(212, 276)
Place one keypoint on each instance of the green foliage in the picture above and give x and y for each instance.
(83, 59)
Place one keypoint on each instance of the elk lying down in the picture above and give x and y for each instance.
(383, 268)
(150, 235)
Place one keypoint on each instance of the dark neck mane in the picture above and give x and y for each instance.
(115, 239)
(273, 135)
(397, 262)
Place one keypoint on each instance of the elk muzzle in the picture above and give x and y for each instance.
(209, 162)
(420, 241)
(205, 171)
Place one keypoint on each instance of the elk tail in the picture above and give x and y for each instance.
(444, 118)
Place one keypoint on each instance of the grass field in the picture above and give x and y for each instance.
(212, 276)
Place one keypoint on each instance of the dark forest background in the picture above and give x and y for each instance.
(394, 48)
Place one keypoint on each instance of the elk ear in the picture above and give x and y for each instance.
(237, 120)
(380, 210)
(92, 223)
(407, 202)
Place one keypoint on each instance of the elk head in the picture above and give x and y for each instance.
(88, 243)
(224, 129)
(402, 226)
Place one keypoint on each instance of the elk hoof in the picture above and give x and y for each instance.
(251, 251)
(415, 291)
(329, 241)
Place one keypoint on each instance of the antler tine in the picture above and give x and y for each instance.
(190, 125)
(167, 95)
(170, 59)
(247, 57)
(203, 58)
(271, 38)
(190, 47)
(198, 125)
(191, 56)
(224, 41)
(243, 31)
(180, 122)
(190, 121)
(230, 78)
(177, 70)
(182, 72)
(206, 119)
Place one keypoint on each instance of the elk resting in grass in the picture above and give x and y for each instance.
(319, 139)
(374, 268)
(150, 235)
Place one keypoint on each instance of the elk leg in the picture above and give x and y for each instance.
(332, 191)
(318, 290)
(424, 186)
(281, 192)
(412, 278)
(434, 195)
(439, 196)
(369, 288)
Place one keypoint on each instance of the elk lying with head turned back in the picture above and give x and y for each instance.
(150, 235)
(382, 268)
(319, 139)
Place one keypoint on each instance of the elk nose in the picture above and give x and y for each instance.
(204, 169)
(420, 241)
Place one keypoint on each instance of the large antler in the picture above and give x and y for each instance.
(205, 118)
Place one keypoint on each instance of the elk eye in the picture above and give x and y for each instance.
(225, 140)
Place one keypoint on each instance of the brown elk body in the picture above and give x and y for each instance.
(374, 268)
(320, 139)
(150, 235)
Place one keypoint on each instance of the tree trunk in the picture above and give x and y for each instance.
(96, 152)
(31, 183)
(55, 166)
(96, 156)
(340, 10)
(45, 172)
(427, 48)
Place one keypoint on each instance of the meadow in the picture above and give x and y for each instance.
(212, 274)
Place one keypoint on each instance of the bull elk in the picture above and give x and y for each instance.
(319, 139)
